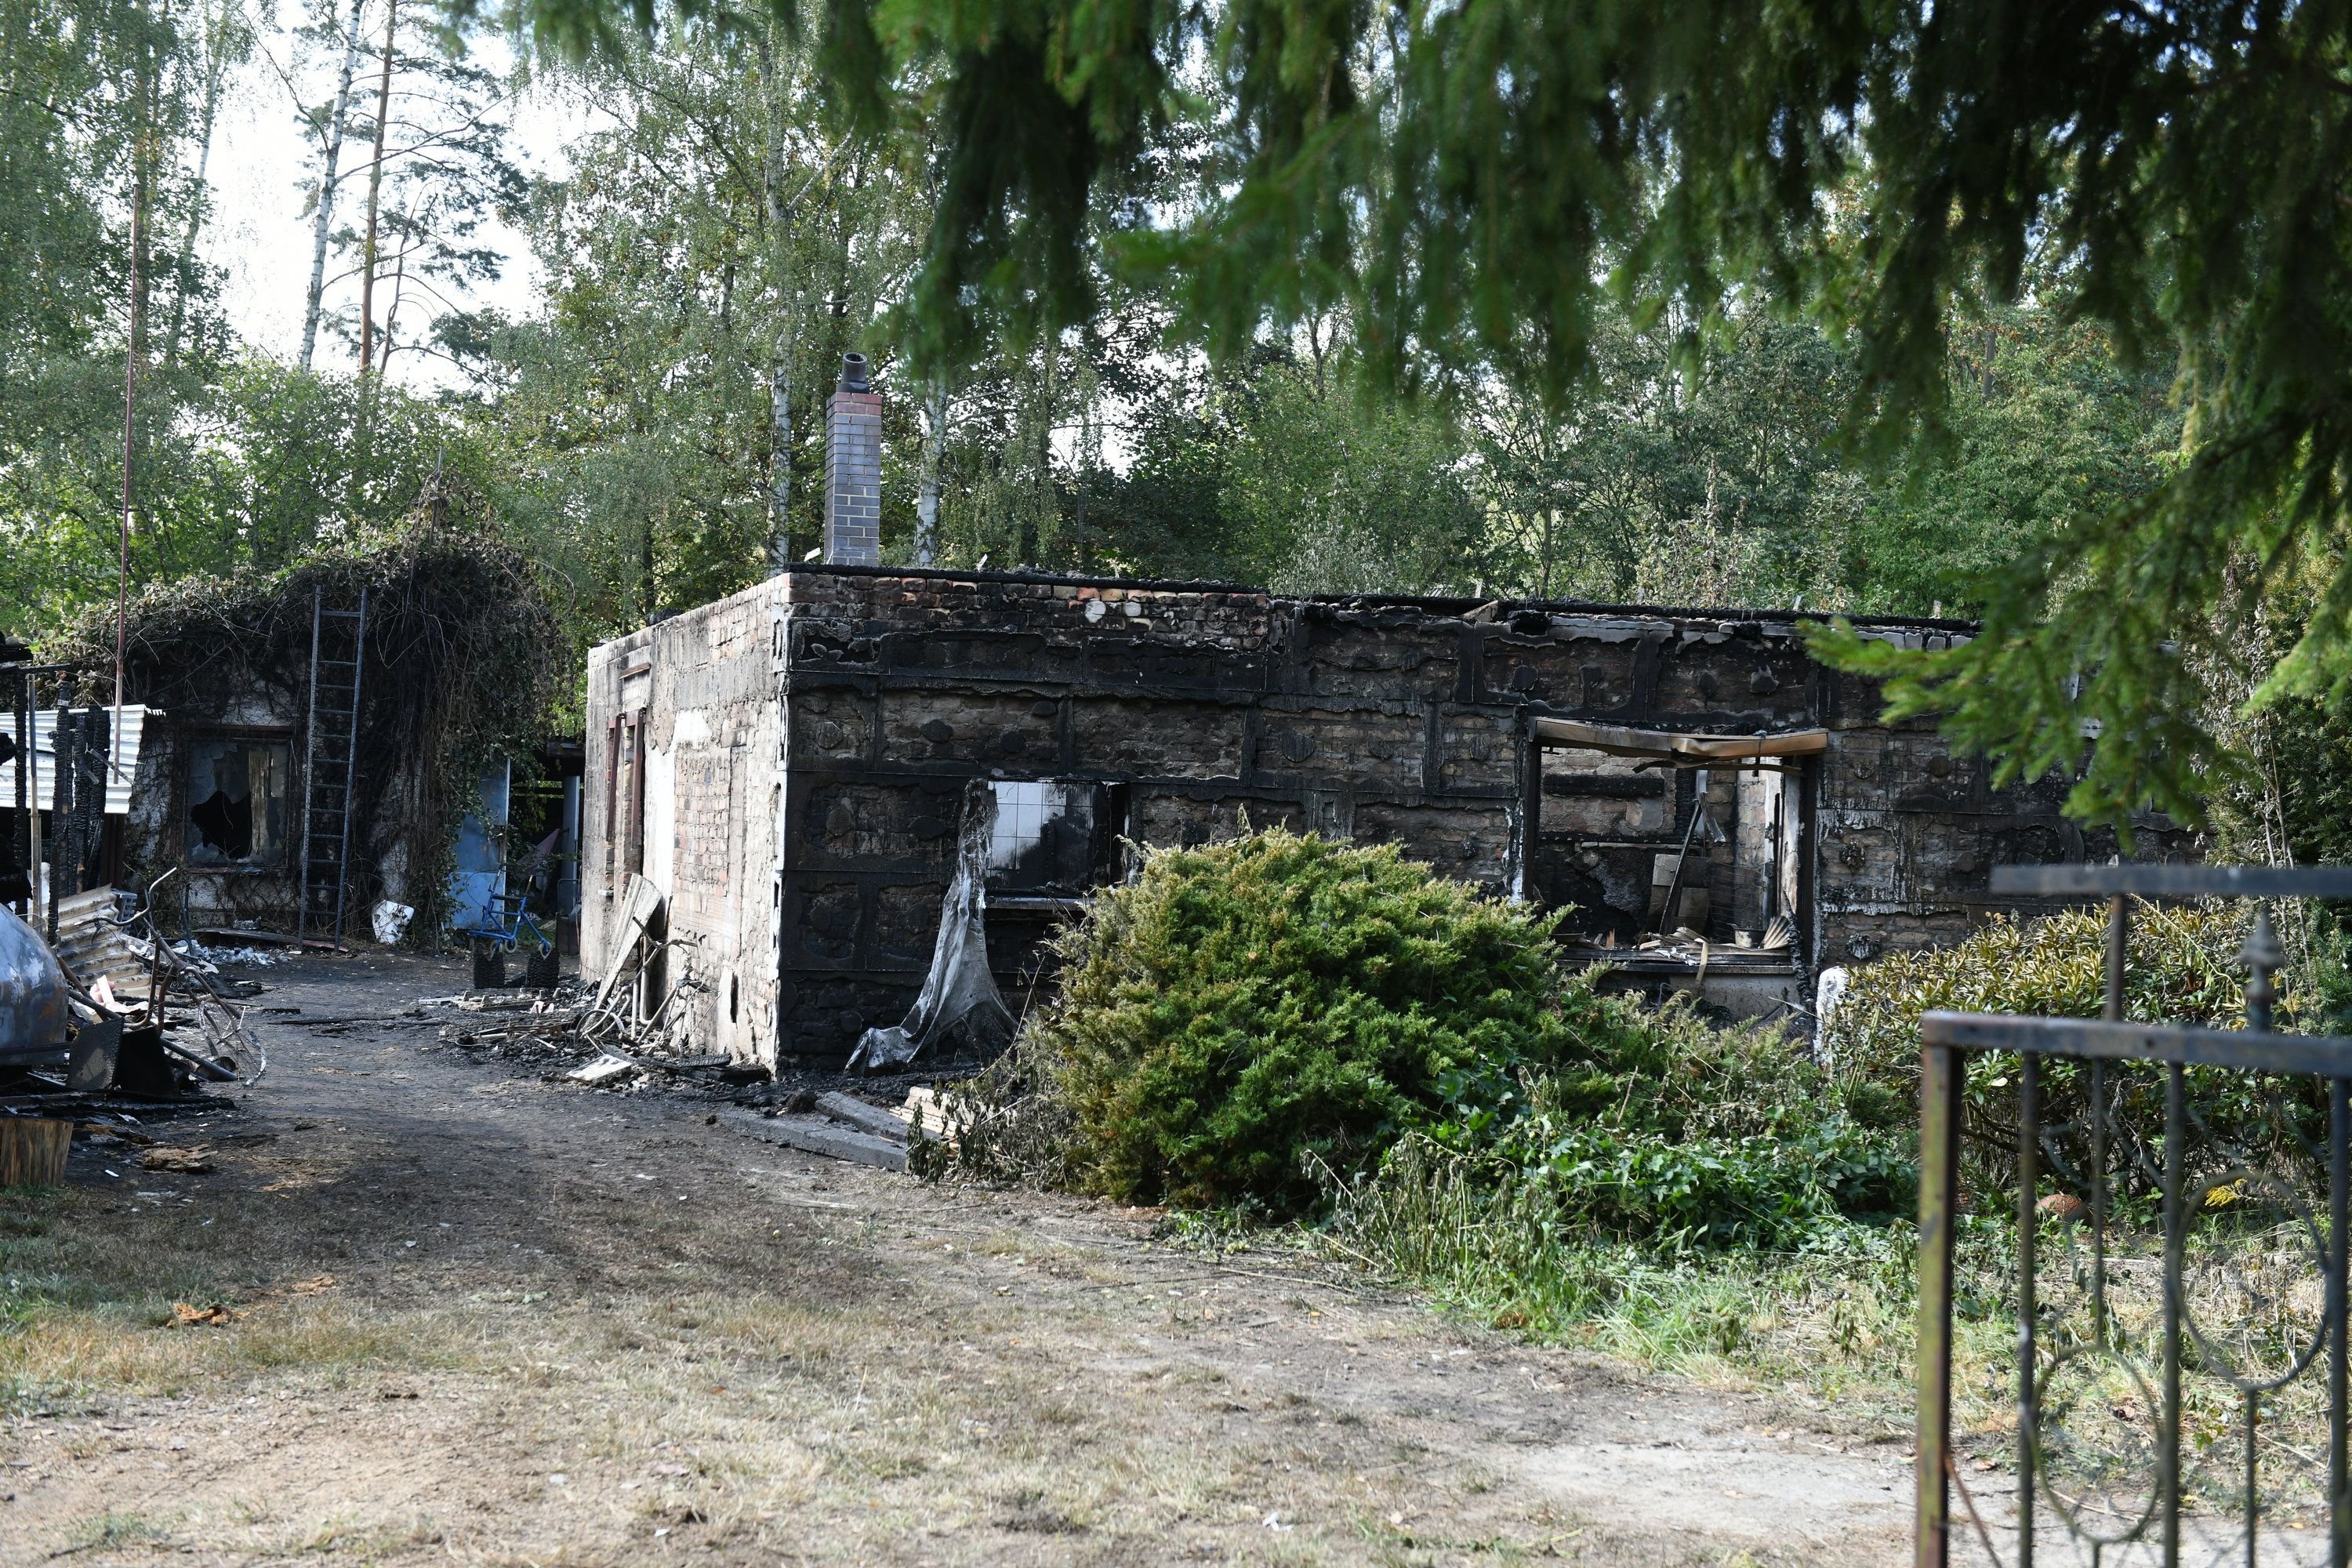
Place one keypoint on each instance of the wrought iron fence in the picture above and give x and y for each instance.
(2173, 1265)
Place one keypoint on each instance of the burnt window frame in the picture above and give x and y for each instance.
(1106, 826)
(1800, 768)
(280, 735)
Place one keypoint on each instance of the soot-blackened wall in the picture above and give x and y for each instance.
(855, 704)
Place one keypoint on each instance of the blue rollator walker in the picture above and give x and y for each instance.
(506, 926)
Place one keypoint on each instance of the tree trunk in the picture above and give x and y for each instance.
(780, 448)
(375, 189)
(330, 158)
(779, 354)
(201, 201)
(140, 153)
(646, 584)
(926, 492)
(392, 312)
(1033, 526)
(142, 161)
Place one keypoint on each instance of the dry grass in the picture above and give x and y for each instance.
(704, 1399)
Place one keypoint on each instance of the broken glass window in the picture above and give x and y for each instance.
(239, 802)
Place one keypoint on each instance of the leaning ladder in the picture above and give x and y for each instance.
(331, 755)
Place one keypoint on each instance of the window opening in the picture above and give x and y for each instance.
(1670, 848)
(1052, 837)
(1766, 891)
(612, 802)
(632, 757)
(1024, 809)
(238, 797)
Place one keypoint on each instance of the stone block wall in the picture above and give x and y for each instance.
(822, 727)
(702, 774)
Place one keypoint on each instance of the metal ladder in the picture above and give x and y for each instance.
(331, 755)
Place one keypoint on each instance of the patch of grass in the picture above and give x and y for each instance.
(112, 1528)
(61, 1347)
(86, 1305)
(368, 1542)
(1836, 1315)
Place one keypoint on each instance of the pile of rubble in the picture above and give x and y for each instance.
(627, 1033)
(106, 1017)
(562, 1035)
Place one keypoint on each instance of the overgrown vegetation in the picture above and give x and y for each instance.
(1284, 1024)
(1629, 1178)
(462, 660)
(1808, 1287)
(2181, 967)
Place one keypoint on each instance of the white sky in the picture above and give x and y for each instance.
(262, 166)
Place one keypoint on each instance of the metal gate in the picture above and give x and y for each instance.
(2161, 1219)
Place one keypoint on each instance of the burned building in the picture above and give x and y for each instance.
(790, 766)
(297, 748)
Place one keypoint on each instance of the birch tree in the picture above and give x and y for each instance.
(328, 124)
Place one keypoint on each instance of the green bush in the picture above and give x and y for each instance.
(2181, 967)
(1243, 1012)
(1281, 1021)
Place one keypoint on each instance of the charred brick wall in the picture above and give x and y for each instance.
(683, 785)
(853, 704)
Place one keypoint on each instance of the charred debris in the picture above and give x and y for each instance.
(308, 743)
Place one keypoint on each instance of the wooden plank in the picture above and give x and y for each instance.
(1621, 740)
(641, 910)
(33, 1151)
(863, 1117)
(815, 1135)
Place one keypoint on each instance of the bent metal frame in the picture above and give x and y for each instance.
(2108, 1465)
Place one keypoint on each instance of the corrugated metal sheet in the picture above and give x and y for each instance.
(90, 945)
(44, 724)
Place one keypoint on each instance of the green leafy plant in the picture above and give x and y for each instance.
(2180, 967)
(1665, 1132)
(1280, 1021)
(1241, 1008)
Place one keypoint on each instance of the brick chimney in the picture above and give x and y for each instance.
(853, 469)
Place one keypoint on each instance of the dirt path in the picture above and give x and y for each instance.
(493, 1318)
